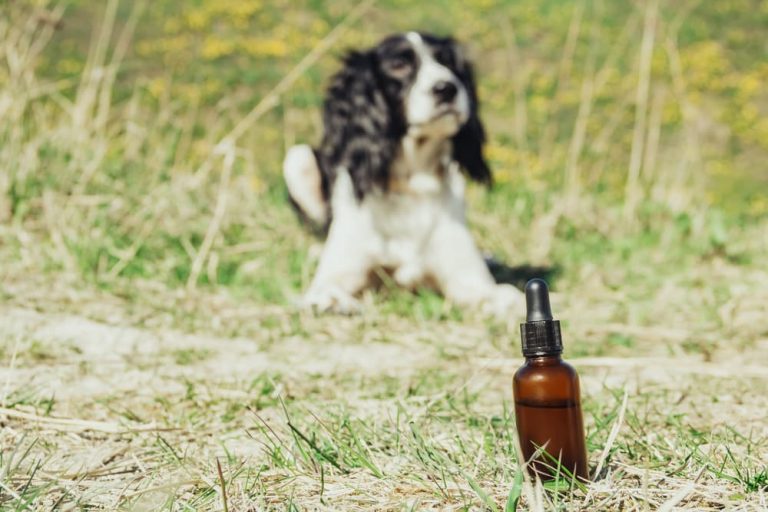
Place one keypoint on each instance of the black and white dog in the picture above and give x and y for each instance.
(401, 125)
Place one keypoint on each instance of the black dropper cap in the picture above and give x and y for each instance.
(540, 332)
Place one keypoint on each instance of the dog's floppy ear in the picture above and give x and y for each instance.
(359, 129)
(469, 140)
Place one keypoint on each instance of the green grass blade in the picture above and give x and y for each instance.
(515, 492)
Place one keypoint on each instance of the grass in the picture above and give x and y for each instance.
(152, 355)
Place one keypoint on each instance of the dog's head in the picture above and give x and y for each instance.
(428, 79)
(410, 84)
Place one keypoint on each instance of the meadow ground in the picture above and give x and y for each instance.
(152, 357)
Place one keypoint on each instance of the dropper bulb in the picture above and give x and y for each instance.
(537, 301)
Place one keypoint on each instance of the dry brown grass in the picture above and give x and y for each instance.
(373, 412)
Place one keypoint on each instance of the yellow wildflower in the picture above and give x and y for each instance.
(215, 47)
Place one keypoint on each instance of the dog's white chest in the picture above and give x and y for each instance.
(396, 228)
(403, 225)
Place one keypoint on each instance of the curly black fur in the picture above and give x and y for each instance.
(361, 129)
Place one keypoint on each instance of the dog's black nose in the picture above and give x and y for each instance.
(445, 91)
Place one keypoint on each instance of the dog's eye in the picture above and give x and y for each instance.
(401, 61)
(398, 64)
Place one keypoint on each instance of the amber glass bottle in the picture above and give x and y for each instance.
(547, 397)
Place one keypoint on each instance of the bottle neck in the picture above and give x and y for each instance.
(544, 360)
(541, 338)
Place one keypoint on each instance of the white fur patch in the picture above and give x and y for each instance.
(302, 177)
(421, 108)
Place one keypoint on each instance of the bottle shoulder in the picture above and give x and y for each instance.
(546, 383)
(532, 368)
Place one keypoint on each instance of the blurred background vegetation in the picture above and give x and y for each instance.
(625, 135)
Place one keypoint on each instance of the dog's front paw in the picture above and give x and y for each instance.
(505, 301)
(331, 300)
(408, 276)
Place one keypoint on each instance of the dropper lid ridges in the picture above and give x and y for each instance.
(540, 332)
